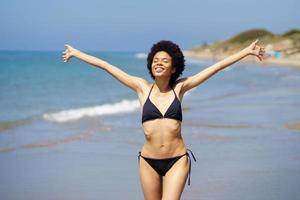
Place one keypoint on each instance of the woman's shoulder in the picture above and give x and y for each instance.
(178, 83)
(178, 87)
(145, 86)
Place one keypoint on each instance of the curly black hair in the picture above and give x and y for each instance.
(176, 54)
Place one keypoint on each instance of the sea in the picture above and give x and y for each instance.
(72, 131)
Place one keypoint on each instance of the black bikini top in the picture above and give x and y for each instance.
(150, 111)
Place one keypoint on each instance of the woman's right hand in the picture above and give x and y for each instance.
(68, 53)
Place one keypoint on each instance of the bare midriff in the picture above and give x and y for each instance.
(163, 138)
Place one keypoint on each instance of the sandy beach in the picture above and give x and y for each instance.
(234, 161)
(292, 61)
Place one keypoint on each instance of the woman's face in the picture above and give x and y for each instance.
(162, 65)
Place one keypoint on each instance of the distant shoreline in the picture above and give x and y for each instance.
(295, 63)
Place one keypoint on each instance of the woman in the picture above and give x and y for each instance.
(164, 164)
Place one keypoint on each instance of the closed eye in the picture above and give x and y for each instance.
(165, 60)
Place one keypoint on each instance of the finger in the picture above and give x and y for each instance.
(255, 42)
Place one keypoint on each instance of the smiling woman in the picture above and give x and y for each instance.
(169, 53)
(164, 161)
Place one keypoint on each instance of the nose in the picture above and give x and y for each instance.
(159, 62)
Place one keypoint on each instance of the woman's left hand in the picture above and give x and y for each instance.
(256, 50)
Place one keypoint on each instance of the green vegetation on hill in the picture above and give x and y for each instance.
(245, 38)
(294, 35)
(291, 32)
(250, 35)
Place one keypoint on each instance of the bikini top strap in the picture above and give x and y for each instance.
(174, 93)
(152, 88)
(150, 91)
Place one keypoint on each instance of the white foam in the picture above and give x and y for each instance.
(105, 109)
(141, 55)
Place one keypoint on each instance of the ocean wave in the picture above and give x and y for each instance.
(105, 109)
(141, 55)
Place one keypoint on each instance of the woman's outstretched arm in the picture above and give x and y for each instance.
(130, 81)
(193, 81)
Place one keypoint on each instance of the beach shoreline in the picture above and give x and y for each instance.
(281, 62)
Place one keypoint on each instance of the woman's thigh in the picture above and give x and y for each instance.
(175, 179)
(151, 182)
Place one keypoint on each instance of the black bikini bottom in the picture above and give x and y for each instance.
(162, 166)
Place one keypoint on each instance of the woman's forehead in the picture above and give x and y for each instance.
(162, 54)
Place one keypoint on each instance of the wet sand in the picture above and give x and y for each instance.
(234, 161)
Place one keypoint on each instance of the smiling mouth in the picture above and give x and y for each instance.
(159, 69)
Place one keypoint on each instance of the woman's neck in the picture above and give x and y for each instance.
(162, 85)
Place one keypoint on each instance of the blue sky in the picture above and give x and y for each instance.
(134, 25)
